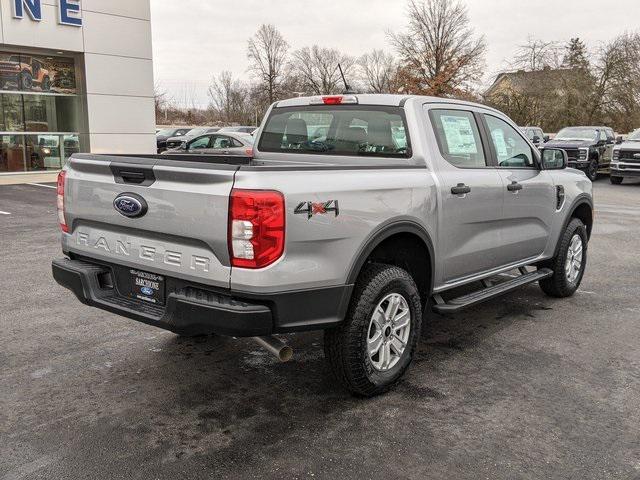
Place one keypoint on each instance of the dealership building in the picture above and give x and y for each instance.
(75, 76)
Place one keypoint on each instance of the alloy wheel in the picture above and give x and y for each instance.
(573, 263)
(388, 332)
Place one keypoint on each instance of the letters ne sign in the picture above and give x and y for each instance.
(69, 12)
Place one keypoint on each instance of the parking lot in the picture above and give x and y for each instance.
(522, 387)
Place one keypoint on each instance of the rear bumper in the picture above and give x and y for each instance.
(197, 309)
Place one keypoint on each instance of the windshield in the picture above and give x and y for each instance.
(194, 132)
(167, 132)
(574, 133)
(342, 130)
(634, 136)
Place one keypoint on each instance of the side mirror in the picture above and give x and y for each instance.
(535, 139)
(546, 138)
(619, 140)
(554, 159)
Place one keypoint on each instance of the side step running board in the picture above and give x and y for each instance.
(489, 292)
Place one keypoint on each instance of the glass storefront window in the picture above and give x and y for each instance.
(37, 73)
(43, 152)
(39, 112)
(12, 114)
(49, 113)
(12, 153)
(70, 145)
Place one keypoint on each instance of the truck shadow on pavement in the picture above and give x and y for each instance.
(229, 397)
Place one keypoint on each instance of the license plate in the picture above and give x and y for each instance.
(147, 287)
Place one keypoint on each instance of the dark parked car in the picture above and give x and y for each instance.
(229, 143)
(536, 135)
(626, 159)
(163, 135)
(588, 148)
(179, 140)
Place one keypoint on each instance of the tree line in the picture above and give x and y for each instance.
(438, 53)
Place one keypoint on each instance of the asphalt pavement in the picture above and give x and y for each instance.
(521, 387)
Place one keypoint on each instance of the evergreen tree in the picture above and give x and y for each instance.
(576, 56)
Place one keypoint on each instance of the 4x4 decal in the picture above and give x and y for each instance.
(317, 208)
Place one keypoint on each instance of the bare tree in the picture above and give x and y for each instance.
(616, 96)
(231, 99)
(537, 55)
(439, 53)
(162, 101)
(378, 71)
(267, 54)
(317, 69)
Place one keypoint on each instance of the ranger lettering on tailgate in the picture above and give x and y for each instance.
(152, 253)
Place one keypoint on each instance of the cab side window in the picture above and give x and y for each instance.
(511, 149)
(458, 138)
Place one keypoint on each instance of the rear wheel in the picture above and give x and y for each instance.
(569, 263)
(616, 180)
(371, 350)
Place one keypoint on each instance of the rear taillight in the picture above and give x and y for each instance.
(249, 152)
(60, 202)
(256, 227)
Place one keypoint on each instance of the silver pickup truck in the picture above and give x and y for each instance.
(354, 215)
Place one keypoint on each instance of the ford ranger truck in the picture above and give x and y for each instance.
(355, 214)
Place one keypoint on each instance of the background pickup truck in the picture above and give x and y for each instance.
(355, 214)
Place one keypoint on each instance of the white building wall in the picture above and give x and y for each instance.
(115, 39)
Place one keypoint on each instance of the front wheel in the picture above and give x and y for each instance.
(371, 350)
(569, 263)
(616, 180)
(592, 170)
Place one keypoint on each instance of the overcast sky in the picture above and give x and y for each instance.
(195, 39)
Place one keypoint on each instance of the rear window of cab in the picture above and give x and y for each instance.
(354, 130)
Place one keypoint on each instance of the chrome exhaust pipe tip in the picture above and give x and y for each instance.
(276, 346)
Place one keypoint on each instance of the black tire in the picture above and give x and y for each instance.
(616, 180)
(46, 84)
(345, 346)
(559, 285)
(592, 170)
(26, 81)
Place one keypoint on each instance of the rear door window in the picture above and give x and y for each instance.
(360, 130)
(458, 138)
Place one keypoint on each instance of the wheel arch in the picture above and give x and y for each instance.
(414, 244)
(582, 209)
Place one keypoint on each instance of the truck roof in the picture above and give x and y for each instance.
(381, 99)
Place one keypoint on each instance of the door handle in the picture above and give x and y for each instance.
(225, 152)
(460, 189)
(514, 187)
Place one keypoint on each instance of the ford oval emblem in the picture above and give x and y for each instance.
(147, 291)
(130, 205)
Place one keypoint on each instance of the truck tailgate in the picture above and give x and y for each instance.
(184, 231)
